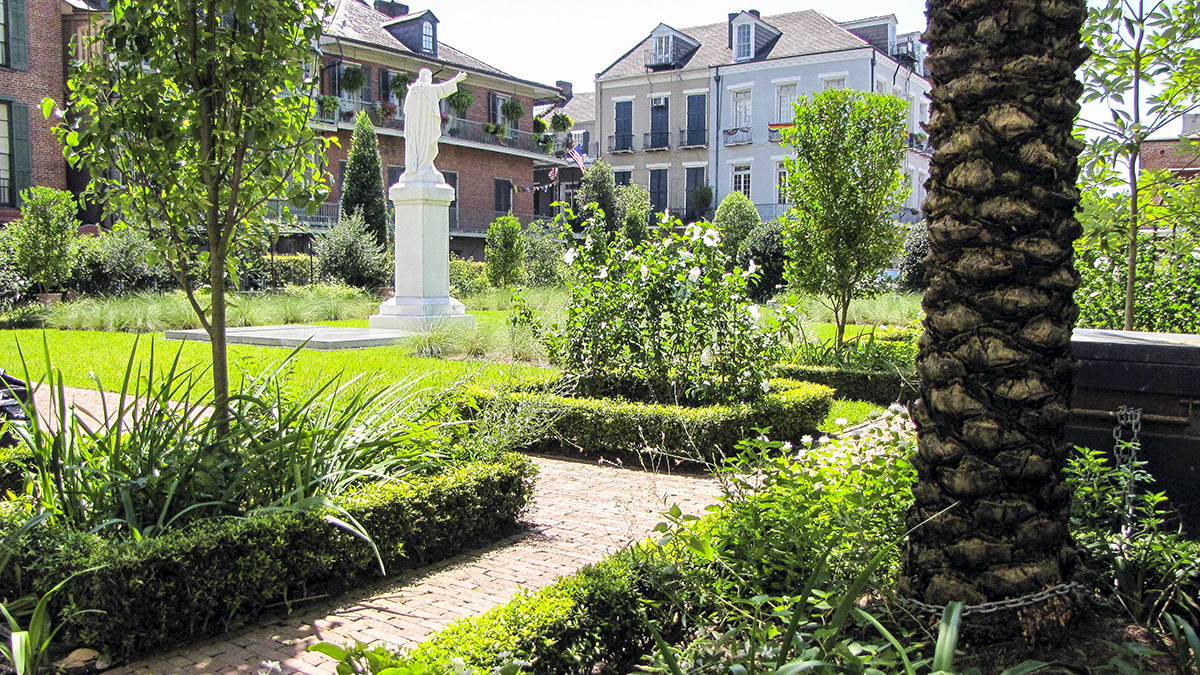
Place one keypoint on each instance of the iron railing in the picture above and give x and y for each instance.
(490, 134)
(620, 143)
(737, 136)
(327, 214)
(656, 140)
(693, 138)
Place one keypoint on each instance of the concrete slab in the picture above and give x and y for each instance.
(311, 337)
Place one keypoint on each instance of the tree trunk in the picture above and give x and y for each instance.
(995, 364)
(1131, 271)
(216, 337)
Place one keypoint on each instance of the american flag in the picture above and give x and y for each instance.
(575, 154)
(553, 174)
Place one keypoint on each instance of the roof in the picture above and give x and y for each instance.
(352, 20)
(804, 32)
(582, 107)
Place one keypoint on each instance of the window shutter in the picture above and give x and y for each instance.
(366, 90)
(587, 142)
(385, 82)
(18, 46)
(492, 105)
(22, 154)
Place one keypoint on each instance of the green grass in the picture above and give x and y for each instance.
(851, 412)
(892, 309)
(80, 353)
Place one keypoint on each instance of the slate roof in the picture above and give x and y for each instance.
(582, 107)
(804, 32)
(353, 20)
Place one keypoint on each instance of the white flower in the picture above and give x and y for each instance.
(823, 440)
(1100, 263)
(841, 421)
(711, 238)
(706, 357)
(694, 274)
(806, 439)
(667, 242)
(570, 255)
(754, 312)
(694, 232)
(753, 267)
(766, 386)
(603, 273)
(787, 446)
(628, 254)
(685, 254)
(645, 272)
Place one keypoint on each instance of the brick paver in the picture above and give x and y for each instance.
(581, 512)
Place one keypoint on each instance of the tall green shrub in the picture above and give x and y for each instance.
(363, 187)
(764, 247)
(543, 256)
(633, 207)
(912, 263)
(350, 254)
(42, 237)
(735, 218)
(504, 252)
(12, 284)
(117, 262)
(598, 187)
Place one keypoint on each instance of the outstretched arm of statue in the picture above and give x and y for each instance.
(450, 86)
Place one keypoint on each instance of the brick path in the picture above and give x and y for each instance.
(581, 512)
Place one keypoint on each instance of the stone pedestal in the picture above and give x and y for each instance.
(422, 232)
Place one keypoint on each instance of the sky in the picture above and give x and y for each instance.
(550, 40)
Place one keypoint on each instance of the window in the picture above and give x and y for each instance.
(658, 190)
(622, 177)
(744, 42)
(496, 114)
(342, 174)
(7, 187)
(4, 58)
(451, 178)
(833, 83)
(569, 191)
(741, 179)
(393, 176)
(694, 179)
(623, 136)
(785, 98)
(781, 183)
(504, 193)
(427, 36)
(697, 116)
(741, 108)
(660, 115)
(662, 48)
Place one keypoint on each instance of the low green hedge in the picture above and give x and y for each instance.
(12, 471)
(623, 429)
(220, 574)
(882, 388)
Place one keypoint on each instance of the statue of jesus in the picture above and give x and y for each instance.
(423, 126)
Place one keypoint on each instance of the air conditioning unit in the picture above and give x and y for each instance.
(658, 101)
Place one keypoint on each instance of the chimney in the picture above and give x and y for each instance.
(1191, 124)
(391, 8)
(754, 13)
(565, 89)
(732, 16)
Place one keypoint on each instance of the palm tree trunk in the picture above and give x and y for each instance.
(995, 364)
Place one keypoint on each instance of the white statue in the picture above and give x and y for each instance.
(423, 126)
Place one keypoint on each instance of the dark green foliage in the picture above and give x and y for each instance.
(513, 110)
(764, 245)
(467, 277)
(12, 467)
(543, 256)
(702, 199)
(362, 191)
(280, 270)
(353, 79)
(220, 574)
(349, 253)
(539, 125)
(461, 100)
(598, 187)
(561, 123)
(883, 388)
(13, 284)
(117, 262)
(912, 262)
(504, 252)
(43, 235)
(736, 217)
(1167, 292)
(399, 84)
(633, 205)
(629, 429)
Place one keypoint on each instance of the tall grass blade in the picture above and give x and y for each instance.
(947, 641)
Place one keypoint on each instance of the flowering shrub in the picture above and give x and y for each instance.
(670, 311)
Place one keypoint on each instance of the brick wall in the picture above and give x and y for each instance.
(44, 78)
(1168, 154)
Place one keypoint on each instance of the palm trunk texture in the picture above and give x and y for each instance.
(995, 364)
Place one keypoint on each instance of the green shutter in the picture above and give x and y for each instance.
(366, 90)
(18, 46)
(22, 154)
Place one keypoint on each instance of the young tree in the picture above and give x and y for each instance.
(995, 362)
(735, 219)
(846, 184)
(190, 117)
(633, 208)
(363, 188)
(1145, 69)
(504, 252)
(598, 187)
(42, 237)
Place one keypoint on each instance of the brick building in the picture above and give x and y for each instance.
(487, 156)
(1176, 154)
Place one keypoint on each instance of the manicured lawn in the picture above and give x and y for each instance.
(81, 353)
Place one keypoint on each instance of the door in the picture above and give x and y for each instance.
(697, 115)
(658, 190)
(660, 129)
(623, 139)
(693, 180)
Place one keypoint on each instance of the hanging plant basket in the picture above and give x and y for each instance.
(399, 85)
(561, 123)
(460, 101)
(539, 125)
(353, 80)
(513, 110)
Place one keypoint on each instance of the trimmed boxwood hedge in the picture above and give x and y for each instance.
(220, 574)
(618, 428)
(12, 473)
(882, 388)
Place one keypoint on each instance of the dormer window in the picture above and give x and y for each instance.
(744, 41)
(662, 46)
(427, 36)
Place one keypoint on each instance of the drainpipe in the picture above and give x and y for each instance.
(716, 167)
(873, 52)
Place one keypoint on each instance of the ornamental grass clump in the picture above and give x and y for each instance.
(670, 312)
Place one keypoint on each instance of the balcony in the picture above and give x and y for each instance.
(490, 134)
(737, 136)
(656, 140)
(693, 138)
(655, 58)
(768, 212)
(475, 222)
(326, 216)
(332, 110)
(920, 143)
(775, 131)
(620, 143)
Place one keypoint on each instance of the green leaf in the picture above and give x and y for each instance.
(947, 641)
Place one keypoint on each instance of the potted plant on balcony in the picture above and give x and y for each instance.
(545, 142)
(353, 80)
(561, 123)
(327, 106)
(513, 111)
(399, 85)
(497, 130)
(539, 125)
(387, 110)
(460, 101)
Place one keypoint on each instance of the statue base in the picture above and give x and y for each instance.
(422, 314)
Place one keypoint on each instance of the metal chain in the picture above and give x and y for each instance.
(998, 606)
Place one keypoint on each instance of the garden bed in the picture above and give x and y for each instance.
(879, 387)
(617, 428)
(219, 574)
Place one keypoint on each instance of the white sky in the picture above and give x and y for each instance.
(549, 40)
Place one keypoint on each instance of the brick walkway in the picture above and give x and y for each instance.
(581, 512)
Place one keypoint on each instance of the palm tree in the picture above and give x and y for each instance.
(995, 363)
